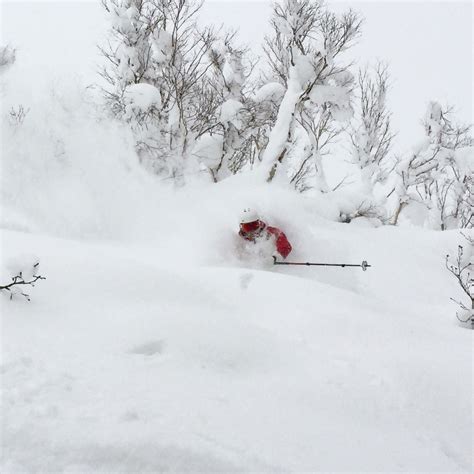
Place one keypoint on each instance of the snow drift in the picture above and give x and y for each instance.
(159, 342)
(132, 358)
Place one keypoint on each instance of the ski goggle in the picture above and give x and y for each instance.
(250, 226)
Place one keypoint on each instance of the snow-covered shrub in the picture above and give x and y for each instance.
(22, 270)
(302, 54)
(462, 267)
(439, 172)
(466, 202)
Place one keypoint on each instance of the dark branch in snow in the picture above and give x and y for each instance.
(17, 115)
(18, 280)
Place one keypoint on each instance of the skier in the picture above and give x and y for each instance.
(253, 230)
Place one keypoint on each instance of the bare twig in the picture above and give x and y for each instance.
(461, 270)
(18, 280)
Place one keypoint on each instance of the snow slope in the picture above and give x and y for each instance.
(159, 343)
(137, 356)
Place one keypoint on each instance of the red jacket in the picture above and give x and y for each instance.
(282, 244)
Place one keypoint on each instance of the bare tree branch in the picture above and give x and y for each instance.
(18, 280)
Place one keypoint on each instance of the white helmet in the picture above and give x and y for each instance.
(248, 215)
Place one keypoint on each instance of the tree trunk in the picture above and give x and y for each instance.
(277, 146)
(401, 205)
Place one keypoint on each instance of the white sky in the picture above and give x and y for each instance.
(428, 46)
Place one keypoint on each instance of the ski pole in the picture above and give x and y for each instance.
(364, 265)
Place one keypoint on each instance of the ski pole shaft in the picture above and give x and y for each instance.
(364, 265)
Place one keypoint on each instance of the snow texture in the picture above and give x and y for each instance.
(229, 111)
(142, 97)
(228, 365)
(25, 264)
(178, 347)
(338, 97)
(271, 92)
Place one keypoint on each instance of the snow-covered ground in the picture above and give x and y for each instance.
(177, 353)
(159, 342)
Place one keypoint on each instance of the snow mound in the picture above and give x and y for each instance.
(135, 353)
(271, 92)
(141, 98)
(229, 111)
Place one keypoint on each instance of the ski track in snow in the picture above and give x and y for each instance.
(126, 363)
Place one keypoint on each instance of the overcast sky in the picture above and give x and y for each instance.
(428, 46)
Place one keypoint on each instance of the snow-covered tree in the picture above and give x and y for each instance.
(438, 174)
(227, 80)
(371, 140)
(371, 136)
(302, 53)
(247, 109)
(156, 65)
(175, 83)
